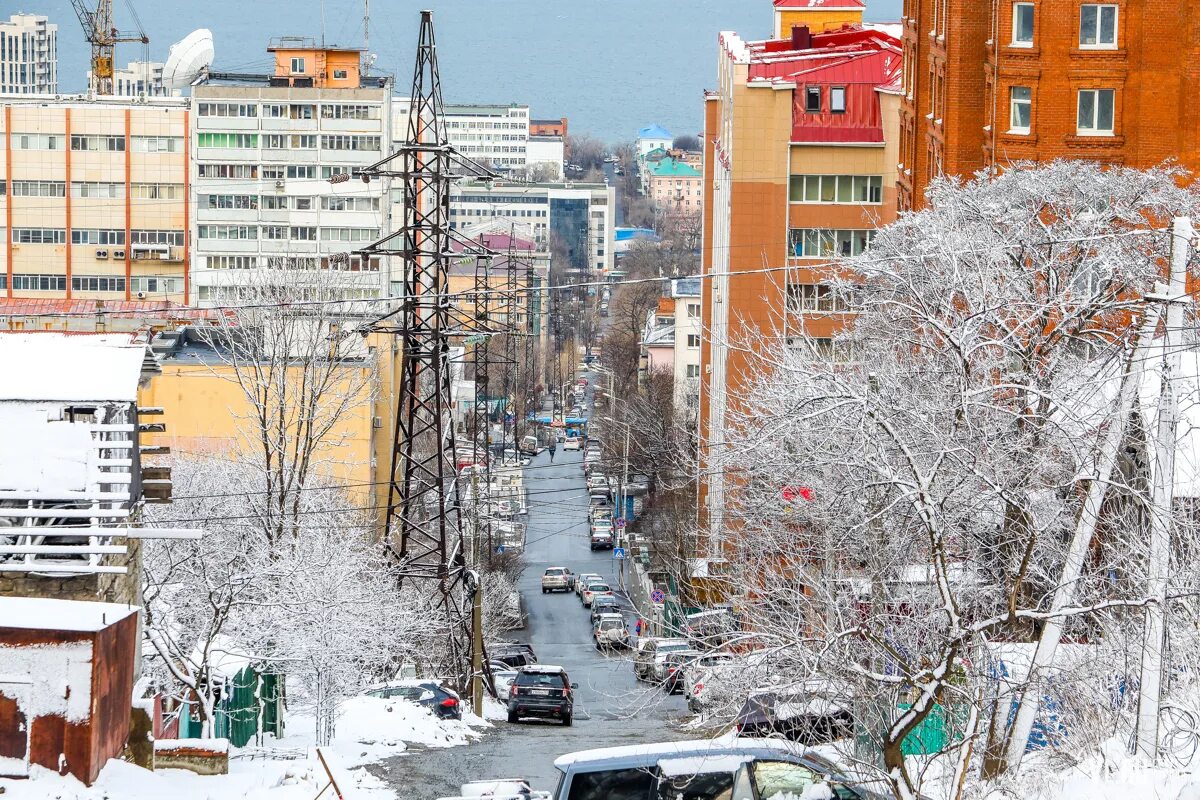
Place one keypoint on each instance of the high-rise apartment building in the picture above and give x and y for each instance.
(265, 154)
(28, 55)
(988, 84)
(799, 167)
(94, 198)
(140, 79)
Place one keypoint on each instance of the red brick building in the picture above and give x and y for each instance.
(991, 83)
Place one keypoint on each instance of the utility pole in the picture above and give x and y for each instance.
(476, 586)
(1163, 497)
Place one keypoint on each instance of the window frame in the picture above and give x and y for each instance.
(298, 65)
(1013, 103)
(836, 91)
(1096, 130)
(1015, 42)
(811, 93)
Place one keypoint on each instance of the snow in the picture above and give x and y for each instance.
(212, 745)
(34, 613)
(71, 367)
(39, 452)
(49, 680)
(697, 765)
(368, 730)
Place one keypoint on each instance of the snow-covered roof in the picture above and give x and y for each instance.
(704, 748)
(702, 764)
(71, 367)
(41, 452)
(38, 613)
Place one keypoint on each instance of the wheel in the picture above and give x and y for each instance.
(513, 718)
(567, 720)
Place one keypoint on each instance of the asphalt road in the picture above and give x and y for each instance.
(611, 707)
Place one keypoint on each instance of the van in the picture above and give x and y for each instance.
(529, 445)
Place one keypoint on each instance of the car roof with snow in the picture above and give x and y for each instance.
(551, 669)
(640, 755)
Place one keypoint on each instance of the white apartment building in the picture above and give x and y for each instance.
(688, 330)
(549, 151)
(28, 55)
(139, 79)
(581, 215)
(496, 135)
(263, 160)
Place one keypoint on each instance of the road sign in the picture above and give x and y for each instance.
(658, 596)
(619, 553)
(499, 549)
(620, 522)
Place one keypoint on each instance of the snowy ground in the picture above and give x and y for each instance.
(369, 729)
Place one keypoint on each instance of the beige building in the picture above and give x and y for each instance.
(94, 201)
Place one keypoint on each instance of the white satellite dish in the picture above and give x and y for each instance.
(189, 57)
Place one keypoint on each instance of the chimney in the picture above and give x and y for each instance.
(801, 37)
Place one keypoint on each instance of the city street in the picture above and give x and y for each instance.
(612, 707)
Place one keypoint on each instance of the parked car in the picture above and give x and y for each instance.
(710, 628)
(593, 589)
(499, 789)
(605, 604)
(443, 702)
(597, 480)
(812, 712)
(648, 649)
(602, 537)
(610, 632)
(572, 443)
(514, 655)
(542, 691)
(503, 680)
(740, 769)
(529, 445)
(556, 579)
(673, 667)
(583, 580)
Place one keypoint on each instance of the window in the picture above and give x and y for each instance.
(693, 309)
(826, 243)
(109, 191)
(350, 142)
(298, 65)
(806, 297)
(239, 141)
(227, 110)
(274, 232)
(693, 340)
(339, 74)
(1097, 26)
(837, 99)
(37, 141)
(612, 784)
(157, 144)
(97, 283)
(273, 172)
(40, 283)
(331, 203)
(232, 262)
(302, 141)
(302, 203)
(157, 191)
(275, 141)
(303, 233)
(39, 188)
(227, 231)
(274, 110)
(243, 171)
(349, 234)
(39, 236)
(155, 284)
(1020, 109)
(96, 236)
(856, 189)
(693, 371)
(339, 111)
(329, 172)
(301, 111)
(1096, 112)
(812, 99)
(301, 171)
(1022, 33)
(274, 202)
(110, 144)
(173, 238)
(239, 201)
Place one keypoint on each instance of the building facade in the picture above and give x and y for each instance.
(95, 201)
(676, 187)
(140, 79)
(28, 55)
(816, 15)
(801, 146)
(988, 84)
(264, 159)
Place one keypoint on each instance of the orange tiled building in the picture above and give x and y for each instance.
(801, 146)
(988, 84)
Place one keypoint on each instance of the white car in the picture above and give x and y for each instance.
(583, 580)
(593, 589)
(573, 443)
(504, 680)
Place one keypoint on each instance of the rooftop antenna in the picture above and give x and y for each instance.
(322, 23)
(366, 67)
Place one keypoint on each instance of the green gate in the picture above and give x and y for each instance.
(236, 713)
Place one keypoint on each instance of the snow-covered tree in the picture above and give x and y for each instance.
(905, 506)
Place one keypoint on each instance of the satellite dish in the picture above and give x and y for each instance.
(188, 59)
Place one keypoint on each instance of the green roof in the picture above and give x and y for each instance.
(672, 168)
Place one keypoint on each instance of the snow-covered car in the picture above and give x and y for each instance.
(648, 649)
(499, 789)
(811, 713)
(592, 589)
(610, 631)
(503, 680)
(443, 702)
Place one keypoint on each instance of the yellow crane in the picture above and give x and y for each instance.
(98, 28)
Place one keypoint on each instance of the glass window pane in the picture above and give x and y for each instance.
(828, 243)
(860, 189)
(1108, 25)
(1104, 116)
(812, 243)
(845, 192)
(828, 188)
(1087, 24)
(1023, 22)
(796, 188)
(1087, 109)
(812, 188)
(876, 189)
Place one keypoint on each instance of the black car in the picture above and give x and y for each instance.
(515, 655)
(809, 717)
(428, 694)
(541, 691)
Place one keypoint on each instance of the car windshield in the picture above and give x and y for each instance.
(673, 648)
(610, 624)
(409, 692)
(598, 587)
(555, 571)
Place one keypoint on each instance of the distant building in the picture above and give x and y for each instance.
(653, 137)
(548, 127)
(676, 187)
(97, 198)
(671, 343)
(497, 135)
(28, 55)
(139, 79)
(265, 151)
(817, 15)
(547, 153)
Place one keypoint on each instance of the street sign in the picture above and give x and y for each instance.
(499, 549)
(658, 596)
(620, 522)
(619, 553)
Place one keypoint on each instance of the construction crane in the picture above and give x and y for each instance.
(98, 28)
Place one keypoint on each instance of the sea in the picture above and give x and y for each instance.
(610, 66)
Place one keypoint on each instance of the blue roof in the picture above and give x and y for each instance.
(629, 234)
(654, 132)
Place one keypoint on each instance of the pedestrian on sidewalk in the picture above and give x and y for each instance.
(553, 447)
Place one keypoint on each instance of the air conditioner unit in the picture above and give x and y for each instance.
(279, 186)
(101, 254)
(118, 254)
(141, 295)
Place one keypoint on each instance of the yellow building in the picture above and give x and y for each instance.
(95, 198)
(817, 15)
(300, 61)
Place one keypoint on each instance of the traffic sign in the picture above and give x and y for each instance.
(619, 553)
(499, 549)
(658, 596)
(620, 523)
